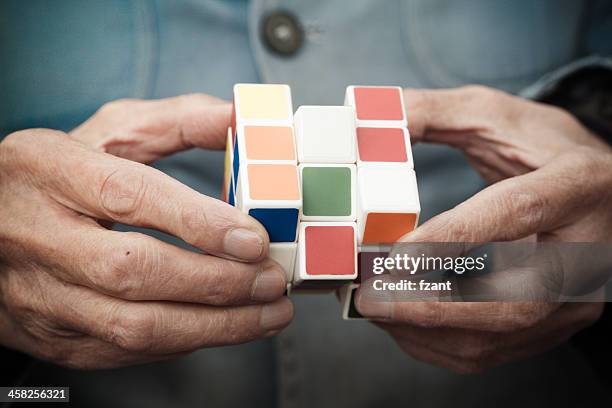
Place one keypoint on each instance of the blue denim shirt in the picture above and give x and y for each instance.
(60, 60)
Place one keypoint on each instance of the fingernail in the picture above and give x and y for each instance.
(243, 244)
(269, 283)
(376, 308)
(276, 315)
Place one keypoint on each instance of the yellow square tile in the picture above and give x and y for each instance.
(263, 101)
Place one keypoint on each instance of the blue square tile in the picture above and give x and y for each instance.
(281, 223)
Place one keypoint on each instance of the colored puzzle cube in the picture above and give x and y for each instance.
(377, 105)
(327, 251)
(355, 183)
(388, 203)
(383, 145)
(328, 191)
(325, 134)
(271, 194)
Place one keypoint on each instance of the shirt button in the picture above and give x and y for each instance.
(282, 33)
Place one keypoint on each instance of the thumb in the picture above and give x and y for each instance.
(146, 130)
(543, 200)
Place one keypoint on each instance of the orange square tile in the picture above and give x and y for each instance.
(387, 228)
(269, 143)
(273, 182)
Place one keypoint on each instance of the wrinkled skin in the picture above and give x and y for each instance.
(551, 179)
(80, 295)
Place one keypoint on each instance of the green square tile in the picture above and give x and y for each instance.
(326, 191)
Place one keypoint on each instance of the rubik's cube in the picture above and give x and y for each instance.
(326, 182)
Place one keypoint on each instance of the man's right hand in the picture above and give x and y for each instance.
(80, 295)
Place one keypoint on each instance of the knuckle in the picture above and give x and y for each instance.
(195, 225)
(430, 316)
(127, 266)
(235, 329)
(133, 332)
(28, 136)
(116, 106)
(476, 90)
(230, 282)
(523, 315)
(528, 208)
(461, 231)
(479, 93)
(485, 97)
(27, 141)
(121, 193)
(14, 141)
(456, 228)
(218, 290)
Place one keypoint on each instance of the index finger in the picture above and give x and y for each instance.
(546, 199)
(145, 130)
(448, 115)
(110, 188)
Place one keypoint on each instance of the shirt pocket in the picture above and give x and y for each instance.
(61, 60)
(506, 44)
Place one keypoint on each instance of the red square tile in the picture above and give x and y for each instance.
(378, 103)
(330, 250)
(381, 145)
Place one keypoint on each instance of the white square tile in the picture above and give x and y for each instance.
(325, 134)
